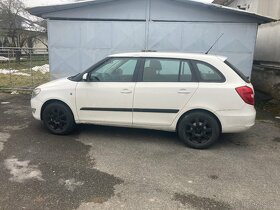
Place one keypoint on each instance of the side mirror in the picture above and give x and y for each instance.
(85, 77)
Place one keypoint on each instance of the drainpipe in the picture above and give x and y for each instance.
(147, 23)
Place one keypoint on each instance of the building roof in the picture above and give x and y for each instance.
(223, 2)
(22, 20)
(43, 10)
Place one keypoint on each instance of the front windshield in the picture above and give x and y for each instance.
(79, 76)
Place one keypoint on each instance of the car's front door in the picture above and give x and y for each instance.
(107, 95)
(165, 87)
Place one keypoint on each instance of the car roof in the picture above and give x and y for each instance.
(196, 56)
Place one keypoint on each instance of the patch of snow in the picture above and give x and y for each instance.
(43, 69)
(12, 93)
(22, 74)
(22, 171)
(70, 184)
(5, 102)
(2, 58)
(7, 71)
(3, 138)
(14, 72)
(36, 3)
(30, 22)
(30, 26)
(25, 14)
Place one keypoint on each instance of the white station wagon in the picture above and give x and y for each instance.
(198, 96)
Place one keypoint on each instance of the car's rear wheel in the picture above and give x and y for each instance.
(199, 130)
(58, 118)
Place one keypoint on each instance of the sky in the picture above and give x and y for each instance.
(33, 3)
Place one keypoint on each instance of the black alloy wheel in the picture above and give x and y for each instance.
(58, 118)
(199, 130)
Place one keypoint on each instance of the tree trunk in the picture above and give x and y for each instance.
(18, 55)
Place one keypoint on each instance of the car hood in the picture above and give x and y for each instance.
(57, 83)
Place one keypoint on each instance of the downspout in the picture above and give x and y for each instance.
(147, 24)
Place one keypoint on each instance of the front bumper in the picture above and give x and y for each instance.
(36, 106)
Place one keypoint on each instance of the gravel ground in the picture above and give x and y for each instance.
(119, 168)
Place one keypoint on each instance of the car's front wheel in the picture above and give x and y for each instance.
(199, 130)
(58, 118)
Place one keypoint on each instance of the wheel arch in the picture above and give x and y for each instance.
(54, 101)
(199, 110)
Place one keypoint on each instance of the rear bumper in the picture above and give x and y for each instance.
(235, 121)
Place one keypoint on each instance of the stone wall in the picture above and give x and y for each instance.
(267, 80)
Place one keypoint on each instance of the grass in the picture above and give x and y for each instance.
(24, 64)
(268, 106)
(20, 81)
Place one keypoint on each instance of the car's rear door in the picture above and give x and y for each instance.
(107, 96)
(165, 86)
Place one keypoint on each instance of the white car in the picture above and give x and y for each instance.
(198, 96)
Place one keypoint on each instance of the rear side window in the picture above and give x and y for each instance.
(161, 70)
(208, 73)
(167, 70)
(237, 71)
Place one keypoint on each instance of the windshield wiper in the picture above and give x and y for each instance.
(72, 77)
(95, 77)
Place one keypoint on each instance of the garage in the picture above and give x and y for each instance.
(82, 33)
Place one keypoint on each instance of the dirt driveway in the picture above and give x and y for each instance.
(118, 168)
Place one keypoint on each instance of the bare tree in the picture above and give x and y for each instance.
(21, 30)
(10, 10)
(42, 23)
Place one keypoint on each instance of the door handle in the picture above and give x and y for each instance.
(126, 91)
(184, 91)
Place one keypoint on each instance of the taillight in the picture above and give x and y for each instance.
(247, 94)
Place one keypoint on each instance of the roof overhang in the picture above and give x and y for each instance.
(43, 10)
(259, 18)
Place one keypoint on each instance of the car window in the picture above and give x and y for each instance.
(186, 73)
(115, 70)
(237, 71)
(208, 73)
(161, 70)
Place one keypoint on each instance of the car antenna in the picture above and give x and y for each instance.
(214, 44)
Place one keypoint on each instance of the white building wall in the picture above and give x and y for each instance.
(268, 41)
(269, 8)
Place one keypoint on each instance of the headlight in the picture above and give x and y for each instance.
(35, 92)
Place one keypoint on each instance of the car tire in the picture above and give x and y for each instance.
(58, 118)
(199, 130)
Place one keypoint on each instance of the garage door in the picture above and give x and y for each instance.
(76, 45)
(237, 42)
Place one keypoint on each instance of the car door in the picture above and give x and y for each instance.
(107, 95)
(165, 87)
